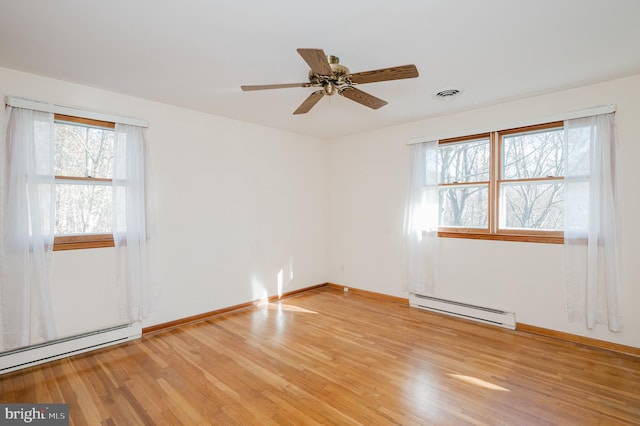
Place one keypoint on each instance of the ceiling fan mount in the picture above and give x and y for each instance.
(331, 77)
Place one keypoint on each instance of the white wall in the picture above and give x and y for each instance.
(368, 186)
(241, 210)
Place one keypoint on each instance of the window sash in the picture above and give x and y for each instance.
(468, 177)
(533, 186)
(462, 211)
(85, 240)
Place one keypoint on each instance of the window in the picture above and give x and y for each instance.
(83, 175)
(506, 185)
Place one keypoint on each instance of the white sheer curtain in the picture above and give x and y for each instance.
(133, 227)
(591, 219)
(28, 207)
(420, 245)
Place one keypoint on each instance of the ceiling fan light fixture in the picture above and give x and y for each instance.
(329, 89)
(447, 93)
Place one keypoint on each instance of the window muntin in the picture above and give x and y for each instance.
(505, 185)
(83, 169)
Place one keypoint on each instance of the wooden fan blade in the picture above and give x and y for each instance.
(308, 103)
(363, 98)
(273, 86)
(385, 74)
(317, 61)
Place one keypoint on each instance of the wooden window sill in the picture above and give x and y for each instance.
(504, 237)
(77, 242)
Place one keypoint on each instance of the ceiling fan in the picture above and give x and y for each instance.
(328, 74)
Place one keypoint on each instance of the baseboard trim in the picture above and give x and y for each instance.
(574, 338)
(210, 314)
(369, 294)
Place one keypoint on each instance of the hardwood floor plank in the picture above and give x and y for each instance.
(329, 357)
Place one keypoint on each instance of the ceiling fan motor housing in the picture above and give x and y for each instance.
(330, 83)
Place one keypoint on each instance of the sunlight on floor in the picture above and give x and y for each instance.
(478, 382)
(292, 308)
(422, 386)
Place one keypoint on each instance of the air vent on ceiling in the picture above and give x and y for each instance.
(447, 93)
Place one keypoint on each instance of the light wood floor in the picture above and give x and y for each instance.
(324, 357)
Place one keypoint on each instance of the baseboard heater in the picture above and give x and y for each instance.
(17, 359)
(464, 310)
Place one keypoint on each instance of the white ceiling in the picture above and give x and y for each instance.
(197, 53)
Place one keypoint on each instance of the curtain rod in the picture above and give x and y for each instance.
(76, 112)
(605, 109)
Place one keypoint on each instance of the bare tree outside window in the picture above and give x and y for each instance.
(507, 184)
(532, 192)
(463, 169)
